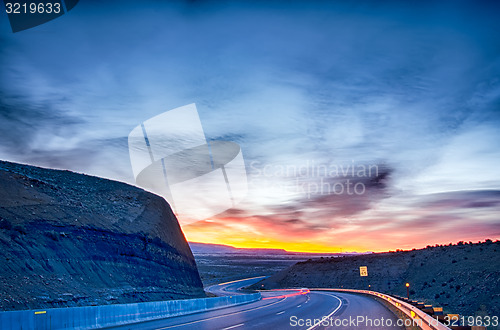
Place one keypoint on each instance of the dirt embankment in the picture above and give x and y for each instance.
(68, 239)
(462, 278)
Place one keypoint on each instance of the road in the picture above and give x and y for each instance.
(283, 309)
(233, 287)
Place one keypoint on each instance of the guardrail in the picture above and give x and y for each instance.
(95, 317)
(428, 322)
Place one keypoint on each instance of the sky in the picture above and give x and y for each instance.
(364, 126)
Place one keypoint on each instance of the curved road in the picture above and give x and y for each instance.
(233, 287)
(284, 309)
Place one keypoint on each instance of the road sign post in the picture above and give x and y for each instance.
(363, 272)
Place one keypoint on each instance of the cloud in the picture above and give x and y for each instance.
(26, 127)
(344, 197)
(462, 199)
(422, 220)
(45, 135)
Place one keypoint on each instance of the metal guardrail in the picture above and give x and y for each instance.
(428, 322)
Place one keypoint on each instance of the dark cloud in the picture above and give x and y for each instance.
(41, 135)
(364, 192)
(318, 212)
(23, 125)
(462, 200)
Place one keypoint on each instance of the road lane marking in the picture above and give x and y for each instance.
(280, 313)
(299, 305)
(219, 316)
(328, 316)
(234, 326)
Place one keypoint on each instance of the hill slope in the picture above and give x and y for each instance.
(462, 278)
(68, 239)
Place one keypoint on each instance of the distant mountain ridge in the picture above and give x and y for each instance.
(209, 248)
(206, 248)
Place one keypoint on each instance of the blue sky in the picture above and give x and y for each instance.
(411, 88)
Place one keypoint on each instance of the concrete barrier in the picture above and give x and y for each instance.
(95, 317)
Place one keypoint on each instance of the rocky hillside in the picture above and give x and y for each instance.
(69, 239)
(463, 278)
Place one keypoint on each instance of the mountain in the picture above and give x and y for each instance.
(68, 239)
(208, 248)
(205, 248)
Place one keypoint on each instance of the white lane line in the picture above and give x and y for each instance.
(280, 313)
(328, 316)
(299, 305)
(234, 326)
(219, 316)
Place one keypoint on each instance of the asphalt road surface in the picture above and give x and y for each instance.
(284, 309)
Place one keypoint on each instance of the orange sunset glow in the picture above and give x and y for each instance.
(346, 236)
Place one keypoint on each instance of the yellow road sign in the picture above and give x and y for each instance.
(363, 271)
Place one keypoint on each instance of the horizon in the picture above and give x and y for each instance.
(358, 252)
(254, 245)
